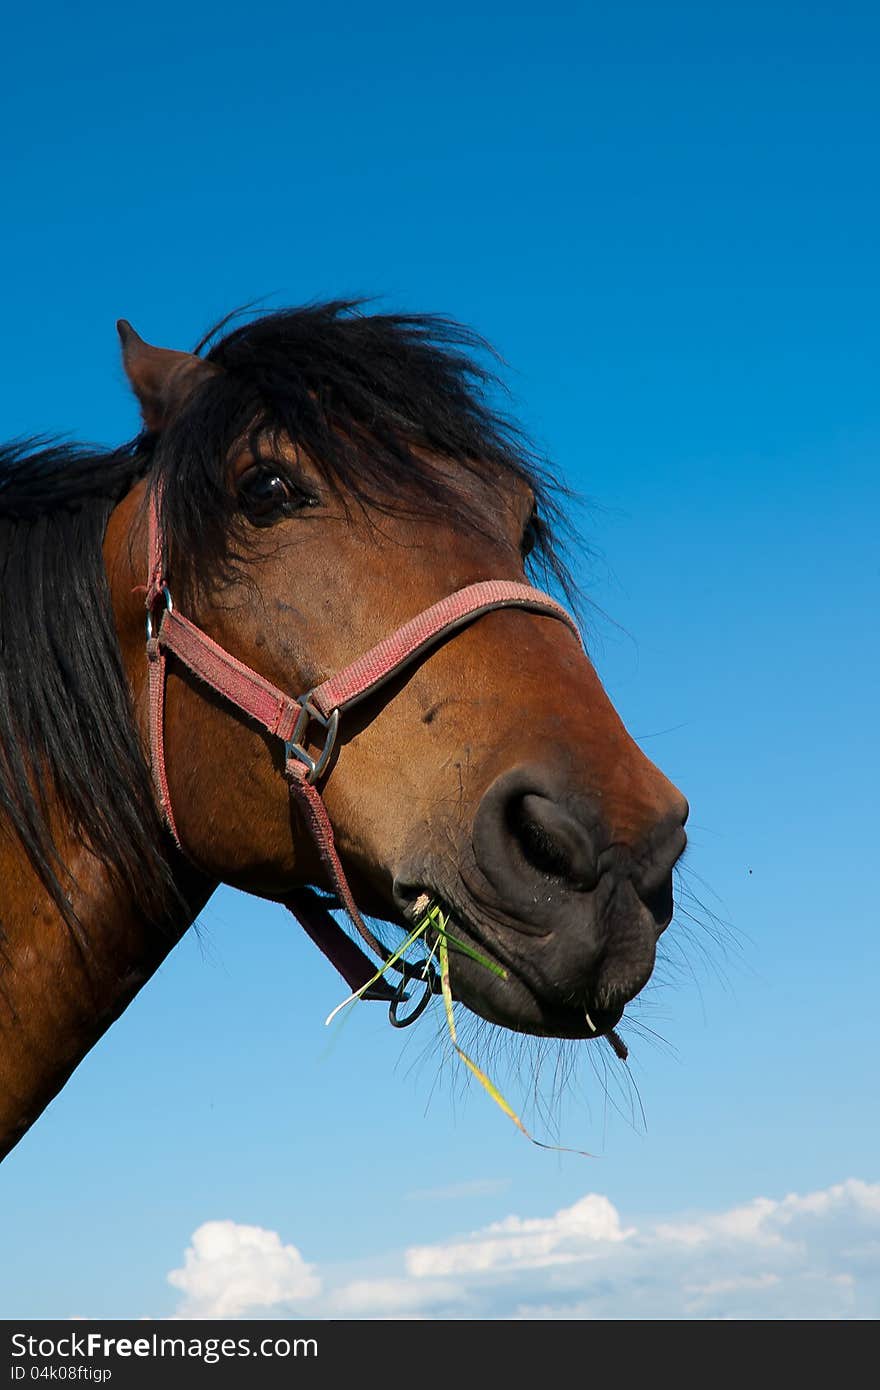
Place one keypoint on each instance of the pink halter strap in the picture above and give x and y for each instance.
(290, 718)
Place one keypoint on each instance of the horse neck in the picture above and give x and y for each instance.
(61, 986)
(63, 981)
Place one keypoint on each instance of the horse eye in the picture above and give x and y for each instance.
(265, 495)
(531, 534)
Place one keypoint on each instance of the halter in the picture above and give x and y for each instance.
(291, 719)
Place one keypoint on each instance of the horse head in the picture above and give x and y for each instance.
(321, 477)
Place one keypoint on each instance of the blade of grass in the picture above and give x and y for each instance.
(488, 1086)
(392, 959)
(447, 991)
(467, 950)
(435, 917)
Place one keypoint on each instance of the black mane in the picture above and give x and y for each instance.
(66, 731)
(369, 397)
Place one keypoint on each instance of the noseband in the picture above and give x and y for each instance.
(293, 719)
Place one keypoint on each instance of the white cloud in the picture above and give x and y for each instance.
(230, 1269)
(735, 1285)
(808, 1256)
(767, 1222)
(571, 1234)
(746, 1223)
(393, 1298)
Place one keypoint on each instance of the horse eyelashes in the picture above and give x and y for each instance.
(267, 495)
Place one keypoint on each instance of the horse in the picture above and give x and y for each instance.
(185, 699)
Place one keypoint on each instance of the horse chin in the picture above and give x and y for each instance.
(513, 1001)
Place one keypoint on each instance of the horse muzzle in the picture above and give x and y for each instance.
(571, 914)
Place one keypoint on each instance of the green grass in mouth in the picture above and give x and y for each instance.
(433, 916)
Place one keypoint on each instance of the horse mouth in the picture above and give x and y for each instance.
(499, 989)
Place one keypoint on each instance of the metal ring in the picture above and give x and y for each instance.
(169, 608)
(420, 971)
(415, 1013)
(293, 746)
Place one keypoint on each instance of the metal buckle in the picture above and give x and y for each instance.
(293, 746)
(169, 608)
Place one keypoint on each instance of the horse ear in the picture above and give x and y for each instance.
(160, 378)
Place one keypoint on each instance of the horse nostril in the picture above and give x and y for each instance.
(660, 903)
(653, 876)
(551, 840)
(524, 832)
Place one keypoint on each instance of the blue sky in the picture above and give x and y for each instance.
(666, 219)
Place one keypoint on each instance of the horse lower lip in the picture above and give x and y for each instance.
(514, 1003)
(486, 994)
(604, 1020)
